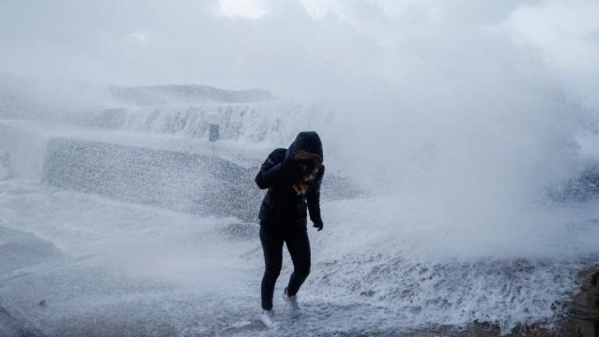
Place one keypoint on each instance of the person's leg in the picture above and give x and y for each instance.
(272, 245)
(298, 245)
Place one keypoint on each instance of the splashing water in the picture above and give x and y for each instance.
(446, 141)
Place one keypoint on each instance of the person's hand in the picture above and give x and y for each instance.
(292, 169)
(319, 225)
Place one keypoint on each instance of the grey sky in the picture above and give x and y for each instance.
(287, 46)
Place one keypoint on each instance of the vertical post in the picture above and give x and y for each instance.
(213, 132)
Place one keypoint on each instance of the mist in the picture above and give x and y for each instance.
(469, 109)
(453, 133)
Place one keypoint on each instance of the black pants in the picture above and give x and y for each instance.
(298, 245)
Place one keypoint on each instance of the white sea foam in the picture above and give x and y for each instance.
(456, 134)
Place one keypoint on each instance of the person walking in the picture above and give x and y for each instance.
(293, 177)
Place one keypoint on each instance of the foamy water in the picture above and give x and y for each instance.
(452, 134)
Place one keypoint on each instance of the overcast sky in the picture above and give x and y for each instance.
(289, 46)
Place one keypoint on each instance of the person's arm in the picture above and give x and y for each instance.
(276, 169)
(313, 200)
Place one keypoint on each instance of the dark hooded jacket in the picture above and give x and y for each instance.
(282, 205)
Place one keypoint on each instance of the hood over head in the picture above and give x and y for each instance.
(307, 146)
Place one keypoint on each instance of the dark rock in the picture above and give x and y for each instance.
(583, 318)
